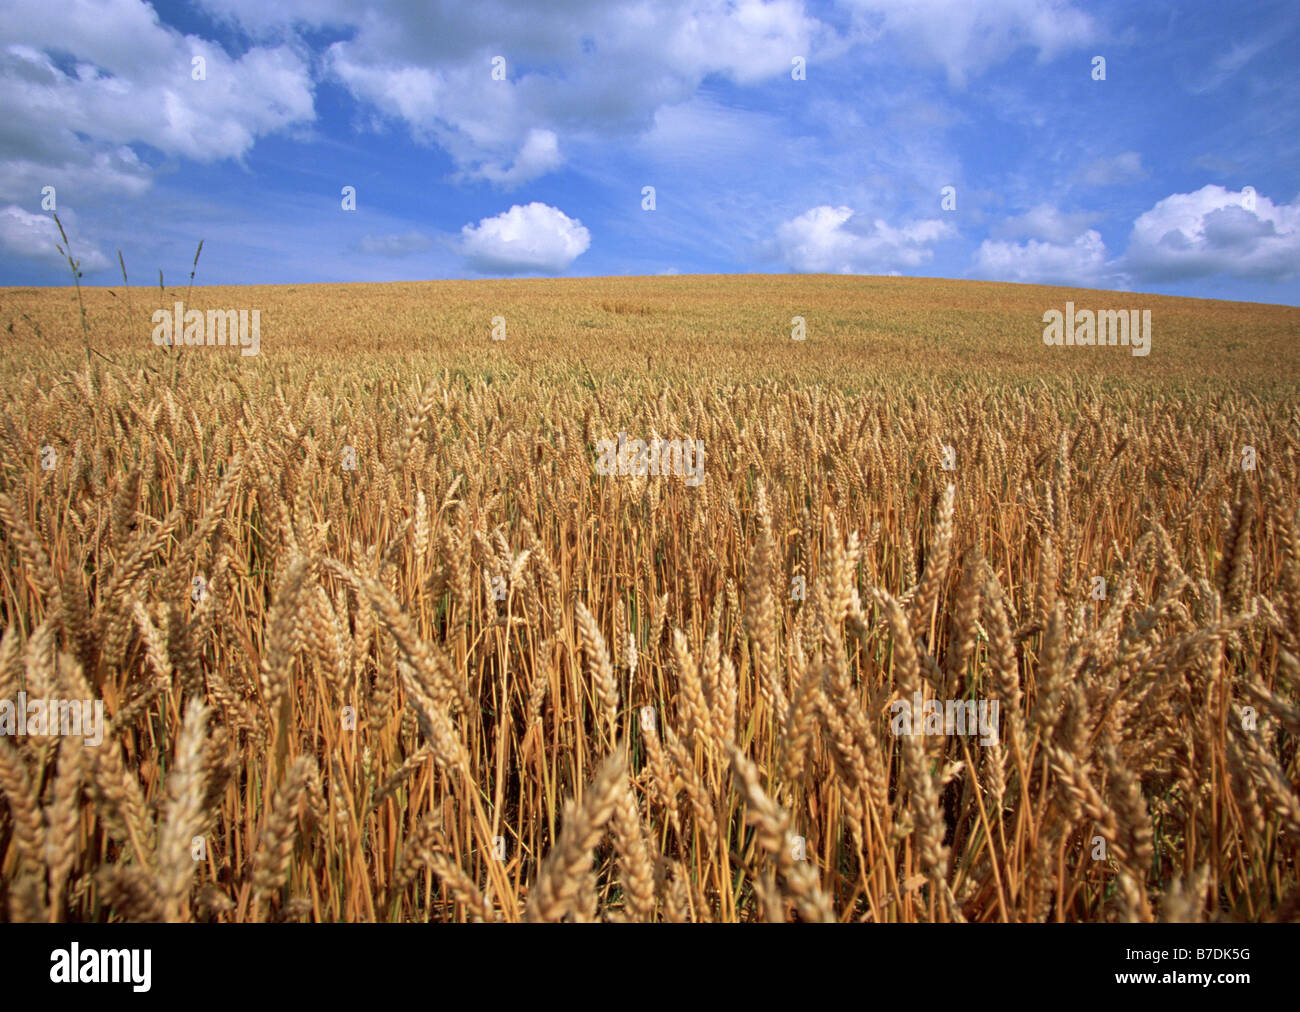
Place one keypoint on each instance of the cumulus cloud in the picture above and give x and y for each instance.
(827, 240)
(531, 238)
(80, 86)
(1081, 261)
(969, 36)
(429, 65)
(394, 245)
(578, 70)
(81, 167)
(540, 154)
(1212, 231)
(1216, 231)
(36, 237)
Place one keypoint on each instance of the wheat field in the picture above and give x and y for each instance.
(376, 641)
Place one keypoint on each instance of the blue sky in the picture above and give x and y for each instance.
(1178, 173)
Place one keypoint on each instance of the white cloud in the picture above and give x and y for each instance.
(825, 240)
(83, 169)
(36, 237)
(538, 156)
(578, 72)
(1044, 222)
(968, 36)
(1189, 235)
(1081, 261)
(395, 245)
(532, 238)
(1184, 236)
(571, 68)
(80, 82)
(747, 40)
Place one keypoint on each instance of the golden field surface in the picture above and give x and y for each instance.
(376, 641)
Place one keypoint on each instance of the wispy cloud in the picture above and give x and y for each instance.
(400, 245)
(1113, 171)
(1229, 62)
